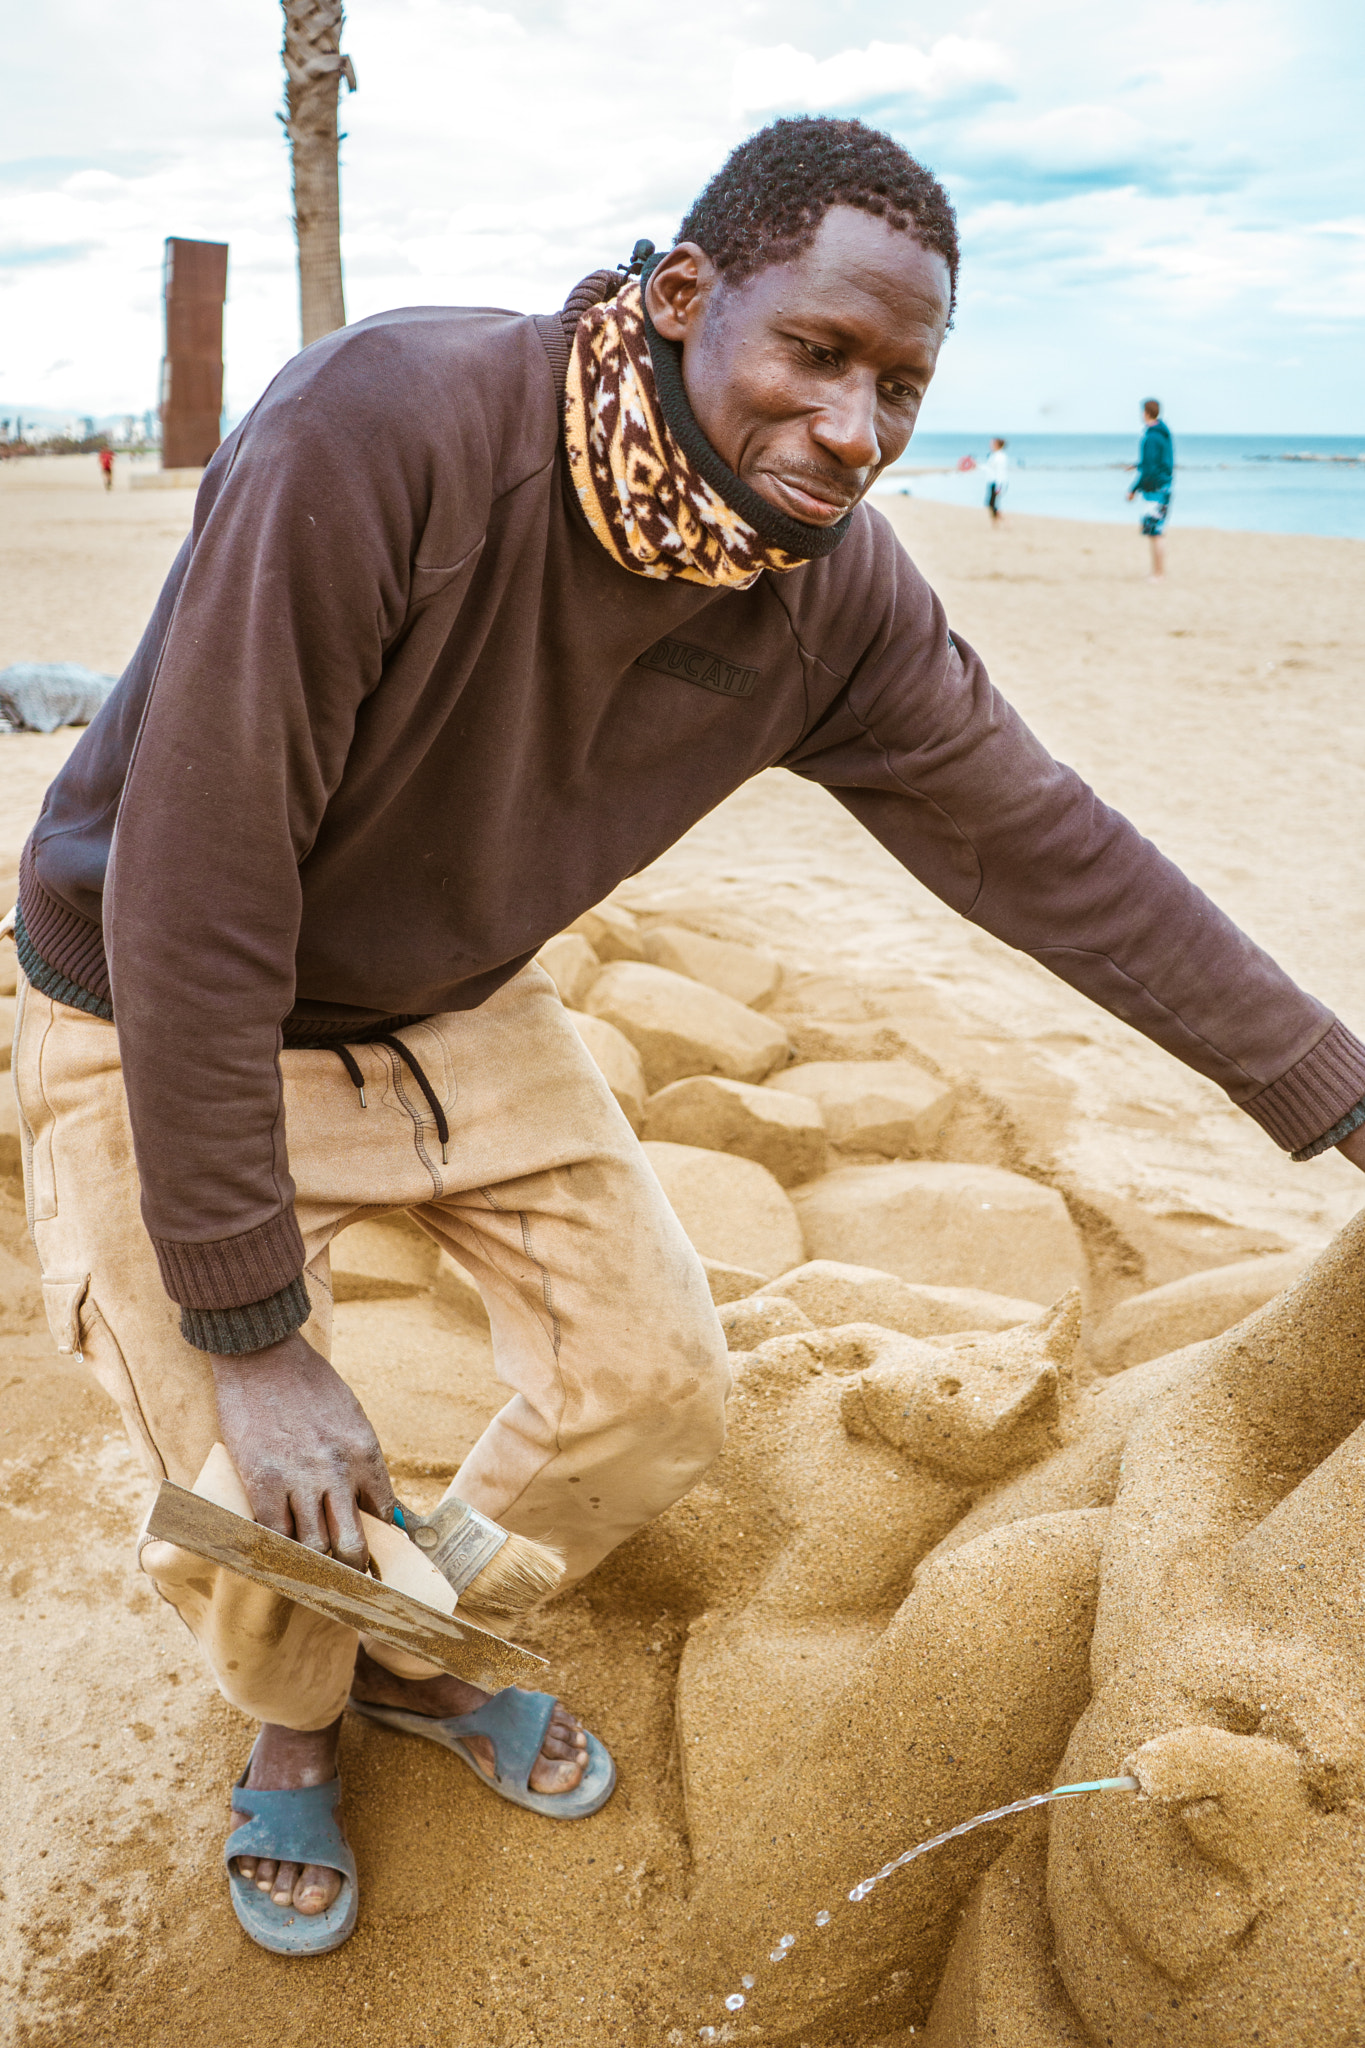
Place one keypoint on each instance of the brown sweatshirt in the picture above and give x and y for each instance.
(398, 717)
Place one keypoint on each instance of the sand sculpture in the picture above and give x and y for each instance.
(1026, 1482)
(1204, 1632)
(946, 1560)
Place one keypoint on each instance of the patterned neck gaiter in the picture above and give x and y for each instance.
(653, 490)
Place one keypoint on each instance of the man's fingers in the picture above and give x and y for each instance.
(375, 1491)
(269, 1499)
(310, 1521)
(346, 1538)
(303, 1446)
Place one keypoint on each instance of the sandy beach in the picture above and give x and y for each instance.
(1221, 711)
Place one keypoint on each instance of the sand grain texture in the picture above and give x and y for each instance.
(878, 1613)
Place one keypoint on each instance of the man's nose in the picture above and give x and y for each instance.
(846, 425)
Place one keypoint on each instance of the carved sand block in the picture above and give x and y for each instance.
(1227, 1662)
(1228, 1658)
(836, 1498)
(966, 1698)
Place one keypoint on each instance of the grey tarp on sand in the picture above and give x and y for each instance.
(38, 696)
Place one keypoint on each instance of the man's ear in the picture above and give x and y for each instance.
(678, 289)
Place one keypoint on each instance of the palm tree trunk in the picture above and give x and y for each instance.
(314, 68)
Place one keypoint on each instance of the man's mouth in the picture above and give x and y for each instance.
(814, 501)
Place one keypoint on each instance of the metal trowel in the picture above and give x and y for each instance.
(409, 1607)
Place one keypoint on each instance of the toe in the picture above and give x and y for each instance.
(316, 1889)
(282, 1891)
(565, 1739)
(563, 1754)
(566, 1748)
(552, 1775)
(265, 1873)
(564, 1734)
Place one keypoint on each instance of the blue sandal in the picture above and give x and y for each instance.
(515, 1723)
(291, 1827)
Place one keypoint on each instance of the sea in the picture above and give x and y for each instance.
(1259, 483)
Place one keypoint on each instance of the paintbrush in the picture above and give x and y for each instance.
(492, 1570)
(409, 1606)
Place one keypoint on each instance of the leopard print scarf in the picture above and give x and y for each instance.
(643, 495)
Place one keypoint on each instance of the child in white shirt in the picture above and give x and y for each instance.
(997, 477)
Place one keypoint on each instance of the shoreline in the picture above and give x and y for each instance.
(80, 475)
(1312, 485)
(1128, 518)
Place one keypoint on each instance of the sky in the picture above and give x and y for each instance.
(1164, 196)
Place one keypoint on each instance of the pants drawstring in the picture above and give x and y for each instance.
(411, 1062)
(352, 1067)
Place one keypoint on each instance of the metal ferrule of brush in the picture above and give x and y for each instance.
(458, 1540)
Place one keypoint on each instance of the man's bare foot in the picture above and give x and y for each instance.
(563, 1755)
(285, 1760)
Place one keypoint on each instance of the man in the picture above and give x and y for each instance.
(478, 615)
(107, 467)
(997, 477)
(1155, 471)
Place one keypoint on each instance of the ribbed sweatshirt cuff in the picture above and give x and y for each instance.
(1316, 1093)
(61, 952)
(233, 1330)
(233, 1272)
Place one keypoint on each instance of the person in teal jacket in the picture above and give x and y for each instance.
(1155, 470)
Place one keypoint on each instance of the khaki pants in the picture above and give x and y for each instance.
(601, 1319)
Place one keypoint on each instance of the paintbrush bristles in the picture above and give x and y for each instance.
(492, 1570)
(521, 1573)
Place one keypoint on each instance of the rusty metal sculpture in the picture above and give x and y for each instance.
(192, 369)
(314, 68)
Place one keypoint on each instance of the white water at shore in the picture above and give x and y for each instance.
(1260, 483)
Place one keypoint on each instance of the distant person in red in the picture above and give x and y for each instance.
(107, 467)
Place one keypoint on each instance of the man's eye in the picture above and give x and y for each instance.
(824, 356)
(899, 393)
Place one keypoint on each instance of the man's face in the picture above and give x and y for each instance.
(807, 378)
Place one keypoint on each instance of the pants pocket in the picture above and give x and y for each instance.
(35, 1118)
(104, 1359)
(64, 1299)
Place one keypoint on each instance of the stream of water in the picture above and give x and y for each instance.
(738, 2000)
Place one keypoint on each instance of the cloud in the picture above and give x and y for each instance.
(783, 76)
(1087, 147)
(1142, 190)
(15, 256)
(40, 173)
(1077, 147)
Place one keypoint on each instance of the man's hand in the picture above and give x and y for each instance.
(1353, 1148)
(303, 1447)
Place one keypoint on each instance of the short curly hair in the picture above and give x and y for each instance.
(767, 200)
